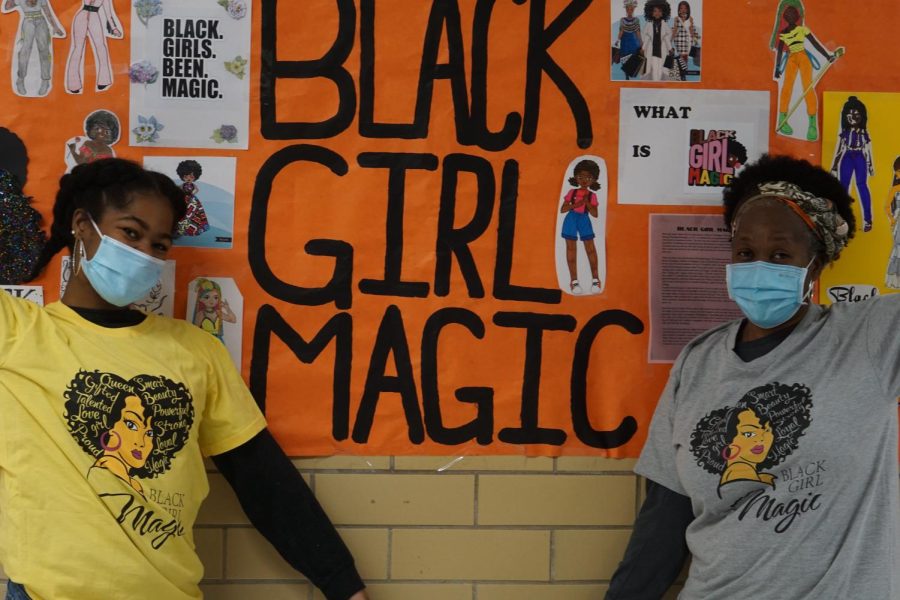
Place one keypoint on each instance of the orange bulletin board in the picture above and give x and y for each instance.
(396, 210)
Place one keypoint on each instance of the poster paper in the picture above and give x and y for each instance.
(32, 293)
(208, 186)
(189, 73)
(684, 146)
(688, 254)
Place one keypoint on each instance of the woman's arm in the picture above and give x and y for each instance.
(228, 314)
(592, 204)
(657, 549)
(818, 46)
(838, 154)
(283, 509)
(109, 18)
(870, 164)
(58, 30)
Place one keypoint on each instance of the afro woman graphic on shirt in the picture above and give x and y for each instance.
(133, 428)
(740, 442)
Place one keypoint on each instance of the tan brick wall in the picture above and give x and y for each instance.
(442, 528)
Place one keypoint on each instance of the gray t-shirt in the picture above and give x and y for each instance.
(790, 460)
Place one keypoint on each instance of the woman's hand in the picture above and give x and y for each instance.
(360, 595)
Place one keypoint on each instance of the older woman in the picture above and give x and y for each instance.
(772, 456)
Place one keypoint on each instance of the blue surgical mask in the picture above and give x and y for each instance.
(118, 272)
(767, 294)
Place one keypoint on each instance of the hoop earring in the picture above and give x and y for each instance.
(726, 452)
(104, 441)
(80, 255)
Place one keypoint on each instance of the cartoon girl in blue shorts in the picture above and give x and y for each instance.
(579, 205)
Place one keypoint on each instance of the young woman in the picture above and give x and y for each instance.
(579, 205)
(772, 456)
(102, 131)
(684, 35)
(95, 21)
(657, 39)
(853, 154)
(211, 310)
(107, 414)
(628, 41)
(792, 59)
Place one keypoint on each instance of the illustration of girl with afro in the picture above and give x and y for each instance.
(789, 39)
(579, 205)
(102, 131)
(764, 428)
(657, 39)
(892, 207)
(194, 222)
(211, 310)
(853, 154)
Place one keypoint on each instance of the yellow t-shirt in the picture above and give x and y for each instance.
(101, 458)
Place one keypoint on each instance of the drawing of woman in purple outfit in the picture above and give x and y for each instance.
(94, 22)
(853, 155)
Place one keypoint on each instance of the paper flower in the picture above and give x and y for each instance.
(143, 72)
(237, 67)
(237, 9)
(225, 133)
(147, 130)
(146, 9)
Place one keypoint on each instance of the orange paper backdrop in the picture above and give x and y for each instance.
(308, 201)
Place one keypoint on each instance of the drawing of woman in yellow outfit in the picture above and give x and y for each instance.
(211, 309)
(792, 58)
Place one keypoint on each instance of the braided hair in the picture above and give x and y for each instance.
(94, 187)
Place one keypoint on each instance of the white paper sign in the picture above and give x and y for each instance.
(684, 146)
(32, 293)
(190, 73)
(161, 299)
(215, 305)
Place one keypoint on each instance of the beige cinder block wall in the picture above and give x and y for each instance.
(442, 528)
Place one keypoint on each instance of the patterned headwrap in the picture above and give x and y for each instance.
(819, 214)
(630, 3)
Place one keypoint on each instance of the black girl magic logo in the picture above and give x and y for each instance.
(741, 443)
(133, 428)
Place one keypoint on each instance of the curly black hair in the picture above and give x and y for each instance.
(94, 187)
(785, 408)
(851, 103)
(189, 167)
(737, 150)
(588, 166)
(802, 173)
(105, 118)
(94, 402)
(662, 4)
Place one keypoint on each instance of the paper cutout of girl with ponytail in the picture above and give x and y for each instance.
(95, 21)
(211, 310)
(793, 59)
